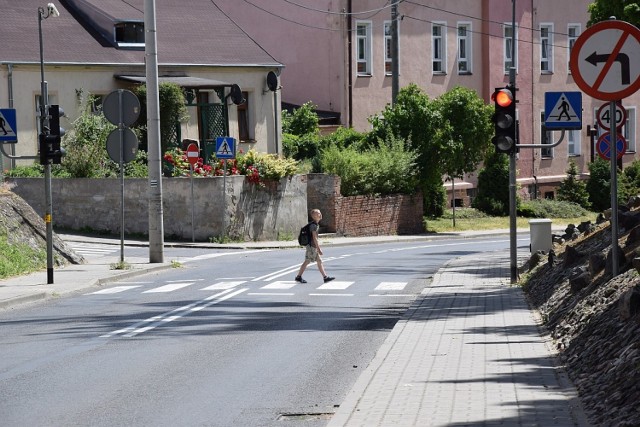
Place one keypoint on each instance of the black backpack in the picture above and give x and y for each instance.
(305, 235)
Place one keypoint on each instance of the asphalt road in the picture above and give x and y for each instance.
(228, 340)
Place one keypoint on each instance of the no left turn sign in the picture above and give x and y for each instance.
(604, 61)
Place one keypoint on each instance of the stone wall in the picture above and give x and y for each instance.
(250, 212)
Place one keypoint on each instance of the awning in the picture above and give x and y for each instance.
(182, 81)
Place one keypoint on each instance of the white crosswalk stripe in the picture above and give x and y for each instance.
(114, 290)
(220, 286)
(168, 288)
(336, 285)
(89, 250)
(391, 286)
(281, 285)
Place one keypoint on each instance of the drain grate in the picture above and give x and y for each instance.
(306, 416)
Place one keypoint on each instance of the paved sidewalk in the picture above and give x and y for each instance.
(468, 353)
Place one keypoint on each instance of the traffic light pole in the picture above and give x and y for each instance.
(44, 124)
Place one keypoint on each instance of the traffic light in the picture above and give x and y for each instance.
(50, 139)
(504, 119)
(57, 152)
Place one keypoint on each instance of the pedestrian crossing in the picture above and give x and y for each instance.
(275, 288)
(93, 250)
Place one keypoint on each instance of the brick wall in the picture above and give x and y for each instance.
(363, 215)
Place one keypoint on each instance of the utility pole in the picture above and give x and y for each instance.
(156, 226)
(395, 50)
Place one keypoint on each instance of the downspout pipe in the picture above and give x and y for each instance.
(350, 62)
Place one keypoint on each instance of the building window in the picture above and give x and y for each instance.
(129, 34)
(438, 48)
(388, 53)
(573, 140)
(508, 48)
(573, 32)
(244, 133)
(546, 137)
(464, 48)
(363, 48)
(546, 48)
(629, 129)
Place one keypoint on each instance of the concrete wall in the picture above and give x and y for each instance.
(274, 212)
(251, 213)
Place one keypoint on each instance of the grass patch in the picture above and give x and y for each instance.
(17, 258)
(121, 265)
(469, 219)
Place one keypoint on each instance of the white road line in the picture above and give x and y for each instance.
(391, 286)
(114, 290)
(168, 288)
(269, 277)
(336, 285)
(217, 255)
(175, 314)
(223, 285)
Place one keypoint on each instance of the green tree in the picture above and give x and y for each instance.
(624, 10)
(415, 119)
(173, 110)
(466, 131)
(302, 121)
(599, 184)
(493, 186)
(572, 189)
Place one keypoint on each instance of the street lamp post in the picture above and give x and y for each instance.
(43, 14)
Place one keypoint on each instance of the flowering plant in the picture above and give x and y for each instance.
(176, 161)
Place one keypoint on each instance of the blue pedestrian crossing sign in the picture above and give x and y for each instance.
(563, 110)
(225, 147)
(8, 128)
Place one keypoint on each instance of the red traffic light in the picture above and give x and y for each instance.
(502, 97)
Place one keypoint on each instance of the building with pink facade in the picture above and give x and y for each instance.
(337, 54)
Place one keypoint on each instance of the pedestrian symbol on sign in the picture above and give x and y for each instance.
(225, 147)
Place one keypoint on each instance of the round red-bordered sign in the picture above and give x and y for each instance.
(193, 153)
(603, 146)
(604, 60)
(603, 111)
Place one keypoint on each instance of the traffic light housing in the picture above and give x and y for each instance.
(504, 120)
(50, 139)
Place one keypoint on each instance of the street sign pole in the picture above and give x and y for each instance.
(614, 190)
(193, 234)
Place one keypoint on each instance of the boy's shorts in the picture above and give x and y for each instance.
(311, 254)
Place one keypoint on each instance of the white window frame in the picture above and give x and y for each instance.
(388, 55)
(363, 48)
(546, 55)
(546, 137)
(442, 51)
(574, 142)
(571, 40)
(464, 44)
(506, 41)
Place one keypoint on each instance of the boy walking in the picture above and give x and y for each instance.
(313, 250)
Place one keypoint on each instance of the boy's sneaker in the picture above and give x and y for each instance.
(299, 279)
(328, 279)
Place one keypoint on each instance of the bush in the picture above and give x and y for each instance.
(545, 208)
(301, 147)
(388, 169)
(304, 120)
(493, 186)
